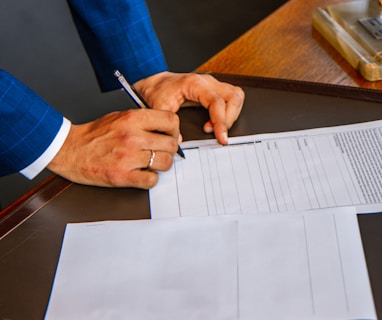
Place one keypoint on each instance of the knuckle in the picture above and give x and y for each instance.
(239, 92)
(151, 180)
(172, 118)
(113, 178)
(194, 79)
(133, 116)
(174, 146)
(131, 113)
(116, 178)
(132, 141)
(235, 94)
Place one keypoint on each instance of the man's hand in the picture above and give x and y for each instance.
(115, 150)
(170, 91)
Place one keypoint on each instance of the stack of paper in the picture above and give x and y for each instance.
(269, 232)
(307, 265)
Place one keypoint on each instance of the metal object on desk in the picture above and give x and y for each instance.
(355, 30)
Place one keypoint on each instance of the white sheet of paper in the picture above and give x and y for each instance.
(147, 270)
(290, 171)
(303, 266)
(307, 265)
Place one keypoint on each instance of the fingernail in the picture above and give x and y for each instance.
(225, 137)
(208, 129)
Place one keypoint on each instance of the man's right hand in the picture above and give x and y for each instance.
(115, 150)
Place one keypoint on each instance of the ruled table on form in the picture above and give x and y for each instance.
(290, 171)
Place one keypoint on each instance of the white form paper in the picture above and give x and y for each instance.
(290, 171)
(307, 265)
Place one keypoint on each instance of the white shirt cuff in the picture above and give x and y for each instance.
(41, 162)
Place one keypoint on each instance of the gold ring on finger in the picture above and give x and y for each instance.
(151, 161)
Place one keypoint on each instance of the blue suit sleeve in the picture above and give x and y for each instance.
(118, 34)
(28, 125)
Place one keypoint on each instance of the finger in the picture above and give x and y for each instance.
(233, 98)
(143, 179)
(217, 111)
(159, 142)
(223, 101)
(234, 106)
(208, 127)
(231, 112)
(159, 161)
(134, 173)
(165, 122)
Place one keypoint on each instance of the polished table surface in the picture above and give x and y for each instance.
(29, 253)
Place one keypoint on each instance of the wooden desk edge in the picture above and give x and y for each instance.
(24, 207)
(319, 88)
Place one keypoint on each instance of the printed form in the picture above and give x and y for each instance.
(278, 172)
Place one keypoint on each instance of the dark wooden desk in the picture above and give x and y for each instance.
(29, 254)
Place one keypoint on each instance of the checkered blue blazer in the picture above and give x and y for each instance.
(117, 34)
